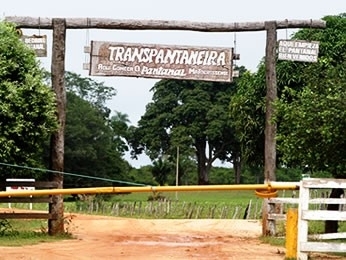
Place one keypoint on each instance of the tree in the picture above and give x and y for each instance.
(119, 124)
(313, 120)
(94, 140)
(310, 110)
(27, 105)
(191, 115)
(247, 116)
(161, 169)
(313, 117)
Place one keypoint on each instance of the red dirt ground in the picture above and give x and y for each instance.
(99, 237)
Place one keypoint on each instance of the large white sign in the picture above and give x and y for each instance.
(304, 51)
(160, 61)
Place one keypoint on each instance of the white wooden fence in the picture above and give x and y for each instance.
(307, 244)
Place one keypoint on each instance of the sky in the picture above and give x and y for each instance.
(133, 94)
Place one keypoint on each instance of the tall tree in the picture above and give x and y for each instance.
(191, 115)
(27, 105)
(311, 107)
(94, 140)
(313, 120)
(247, 114)
(313, 117)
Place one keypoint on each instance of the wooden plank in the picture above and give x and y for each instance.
(323, 247)
(323, 215)
(26, 215)
(161, 61)
(130, 24)
(311, 201)
(26, 200)
(341, 235)
(274, 216)
(284, 200)
(327, 201)
(324, 183)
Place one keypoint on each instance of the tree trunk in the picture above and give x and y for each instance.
(237, 168)
(202, 168)
(331, 226)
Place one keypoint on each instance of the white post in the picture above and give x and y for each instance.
(304, 197)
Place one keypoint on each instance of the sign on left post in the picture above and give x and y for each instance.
(36, 42)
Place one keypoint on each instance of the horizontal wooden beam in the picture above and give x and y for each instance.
(129, 24)
(27, 200)
(323, 247)
(32, 215)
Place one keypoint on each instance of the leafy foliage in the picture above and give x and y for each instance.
(247, 114)
(313, 117)
(94, 143)
(191, 115)
(311, 107)
(27, 105)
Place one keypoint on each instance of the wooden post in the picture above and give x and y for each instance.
(291, 233)
(270, 127)
(56, 208)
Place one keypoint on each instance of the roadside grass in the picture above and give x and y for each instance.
(21, 232)
(190, 196)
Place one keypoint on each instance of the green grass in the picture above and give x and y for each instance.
(172, 205)
(196, 196)
(26, 232)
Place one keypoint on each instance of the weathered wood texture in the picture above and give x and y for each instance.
(271, 96)
(129, 24)
(57, 139)
(26, 216)
(26, 200)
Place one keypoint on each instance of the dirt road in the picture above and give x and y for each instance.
(99, 237)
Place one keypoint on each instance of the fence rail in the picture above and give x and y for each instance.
(27, 199)
(306, 213)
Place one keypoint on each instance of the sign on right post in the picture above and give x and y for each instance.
(294, 50)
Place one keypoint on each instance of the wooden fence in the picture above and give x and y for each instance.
(170, 209)
(306, 213)
(29, 200)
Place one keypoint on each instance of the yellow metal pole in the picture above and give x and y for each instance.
(291, 233)
(114, 190)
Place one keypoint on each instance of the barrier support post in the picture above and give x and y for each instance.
(291, 233)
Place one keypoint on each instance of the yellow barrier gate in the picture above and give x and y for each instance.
(262, 190)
